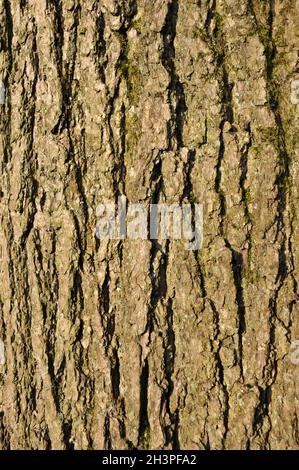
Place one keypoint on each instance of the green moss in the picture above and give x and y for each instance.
(256, 152)
(264, 34)
(130, 71)
(198, 33)
(247, 201)
(193, 199)
(268, 134)
(272, 94)
(253, 276)
(145, 439)
(132, 76)
(219, 20)
(284, 184)
(138, 24)
(247, 196)
(133, 132)
(133, 82)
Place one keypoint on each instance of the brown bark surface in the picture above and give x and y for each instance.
(143, 344)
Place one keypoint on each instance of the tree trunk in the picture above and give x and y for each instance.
(122, 344)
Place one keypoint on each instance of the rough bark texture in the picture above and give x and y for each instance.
(139, 344)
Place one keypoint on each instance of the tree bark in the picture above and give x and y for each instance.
(126, 344)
